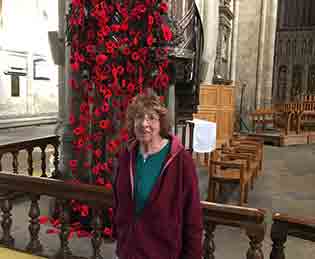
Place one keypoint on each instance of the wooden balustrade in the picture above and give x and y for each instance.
(287, 116)
(284, 226)
(252, 220)
(29, 145)
(97, 197)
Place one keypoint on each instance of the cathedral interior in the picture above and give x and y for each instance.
(247, 66)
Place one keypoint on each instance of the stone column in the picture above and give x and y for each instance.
(61, 68)
(270, 51)
(200, 6)
(65, 97)
(211, 22)
(260, 58)
(236, 11)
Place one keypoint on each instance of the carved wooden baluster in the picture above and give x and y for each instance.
(30, 161)
(43, 158)
(279, 233)
(97, 234)
(56, 162)
(7, 239)
(34, 245)
(64, 251)
(256, 234)
(208, 243)
(15, 162)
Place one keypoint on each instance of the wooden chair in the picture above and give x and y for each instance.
(251, 146)
(228, 168)
(236, 154)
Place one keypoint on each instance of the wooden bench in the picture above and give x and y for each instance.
(229, 167)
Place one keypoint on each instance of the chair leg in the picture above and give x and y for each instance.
(211, 191)
(242, 194)
(217, 190)
(252, 183)
(246, 193)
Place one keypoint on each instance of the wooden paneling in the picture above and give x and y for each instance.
(217, 104)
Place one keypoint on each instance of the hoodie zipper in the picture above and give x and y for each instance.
(131, 170)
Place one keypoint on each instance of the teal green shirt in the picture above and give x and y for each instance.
(147, 173)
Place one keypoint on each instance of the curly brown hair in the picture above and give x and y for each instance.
(144, 104)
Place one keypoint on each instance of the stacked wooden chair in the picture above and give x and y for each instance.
(238, 162)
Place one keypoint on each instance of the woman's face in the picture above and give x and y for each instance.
(147, 127)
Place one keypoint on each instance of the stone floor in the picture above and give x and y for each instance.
(286, 185)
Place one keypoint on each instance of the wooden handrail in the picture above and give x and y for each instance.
(90, 194)
(298, 227)
(97, 197)
(29, 142)
(230, 215)
(252, 220)
(284, 226)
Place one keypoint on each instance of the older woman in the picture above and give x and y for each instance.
(157, 213)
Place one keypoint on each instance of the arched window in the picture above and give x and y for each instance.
(297, 81)
(284, 13)
(282, 83)
(280, 48)
(310, 47)
(288, 46)
(311, 80)
(294, 48)
(304, 48)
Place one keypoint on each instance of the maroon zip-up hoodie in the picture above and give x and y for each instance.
(170, 225)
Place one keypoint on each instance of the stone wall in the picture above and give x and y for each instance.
(255, 51)
(36, 97)
(246, 61)
(24, 38)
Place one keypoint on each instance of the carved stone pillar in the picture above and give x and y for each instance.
(65, 97)
(210, 22)
(269, 52)
(236, 10)
(260, 57)
(221, 69)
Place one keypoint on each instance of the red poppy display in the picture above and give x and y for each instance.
(117, 51)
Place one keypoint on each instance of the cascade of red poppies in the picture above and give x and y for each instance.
(118, 50)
